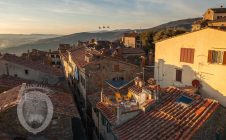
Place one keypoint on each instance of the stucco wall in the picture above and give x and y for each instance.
(212, 76)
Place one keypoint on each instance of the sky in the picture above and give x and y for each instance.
(71, 16)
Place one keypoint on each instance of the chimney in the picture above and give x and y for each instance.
(143, 61)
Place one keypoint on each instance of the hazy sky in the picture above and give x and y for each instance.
(70, 16)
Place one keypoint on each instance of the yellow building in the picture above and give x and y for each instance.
(131, 40)
(213, 17)
(199, 55)
(214, 13)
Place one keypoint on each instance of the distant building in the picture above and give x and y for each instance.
(130, 55)
(36, 55)
(214, 14)
(54, 58)
(64, 47)
(132, 40)
(31, 70)
(213, 17)
(194, 59)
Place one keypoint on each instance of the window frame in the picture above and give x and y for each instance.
(180, 75)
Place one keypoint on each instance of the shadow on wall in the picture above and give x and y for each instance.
(167, 77)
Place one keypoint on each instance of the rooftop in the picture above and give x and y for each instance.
(8, 82)
(62, 101)
(219, 10)
(171, 119)
(31, 64)
(79, 55)
(130, 35)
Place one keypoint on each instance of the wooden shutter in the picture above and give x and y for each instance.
(224, 58)
(189, 55)
(210, 56)
(192, 55)
(182, 55)
(185, 55)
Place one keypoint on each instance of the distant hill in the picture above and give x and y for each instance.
(12, 40)
(53, 43)
(185, 23)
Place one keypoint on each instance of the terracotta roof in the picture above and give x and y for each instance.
(135, 89)
(78, 55)
(219, 10)
(8, 82)
(170, 120)
(31, 64)
(130, 35)
(108, 112)
(9, 98)
(65, 56)
(133, 51)
(63, 102)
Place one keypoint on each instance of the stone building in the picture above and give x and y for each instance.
(31, 70)
(54, 58)
(87, 69)
(61, 125)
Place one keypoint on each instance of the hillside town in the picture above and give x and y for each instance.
(120, 90)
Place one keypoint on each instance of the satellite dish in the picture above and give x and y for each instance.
(196, 83)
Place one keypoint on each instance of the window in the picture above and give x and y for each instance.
(219, 17)
(116, 68)
(179, 75)
(187, 55)
(26, 72)
(52, 55)
(108, 127)
(217, 57)
(103, 120)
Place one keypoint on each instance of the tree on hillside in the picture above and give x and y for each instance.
(167, 33)
(147, 40)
